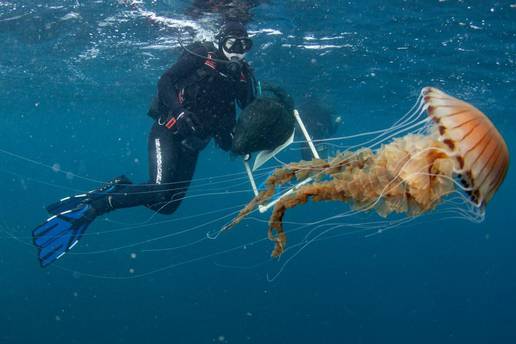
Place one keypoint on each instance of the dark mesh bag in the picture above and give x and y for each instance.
(266, 123)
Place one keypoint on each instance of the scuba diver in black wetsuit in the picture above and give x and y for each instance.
(195, 102)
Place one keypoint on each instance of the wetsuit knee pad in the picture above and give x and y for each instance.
(164, 208)
(168, 202)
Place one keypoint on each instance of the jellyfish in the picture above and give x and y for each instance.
(453, 158)
(457, 148)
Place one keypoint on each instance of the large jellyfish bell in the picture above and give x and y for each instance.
(480, 152)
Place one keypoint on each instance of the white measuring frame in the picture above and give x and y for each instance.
(264, 156)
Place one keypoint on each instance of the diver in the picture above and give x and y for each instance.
(196, 101)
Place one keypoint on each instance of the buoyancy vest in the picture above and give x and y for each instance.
(188, 88)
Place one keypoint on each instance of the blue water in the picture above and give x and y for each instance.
(76, 78)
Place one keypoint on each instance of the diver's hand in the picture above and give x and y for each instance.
(224, 140)
(185, 123)
(188, 123)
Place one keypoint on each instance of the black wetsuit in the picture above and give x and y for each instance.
(204, 87)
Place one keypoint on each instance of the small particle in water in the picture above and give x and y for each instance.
(313, 61)
(133, 255)
(69, 175)
(136, 160)
(221, 338)
(58, 318)
(249, 314)
(131, 271)
(36, 104)
(75, 294)
(56, 167)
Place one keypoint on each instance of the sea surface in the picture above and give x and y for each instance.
(76, 79)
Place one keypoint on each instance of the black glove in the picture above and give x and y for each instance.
(186, 123)
(224, 141)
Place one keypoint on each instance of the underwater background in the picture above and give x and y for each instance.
(76, 79)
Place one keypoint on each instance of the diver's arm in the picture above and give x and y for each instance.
(247, 89)
(186, 64)
(224, 133)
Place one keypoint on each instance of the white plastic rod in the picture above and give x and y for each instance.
(250, 175)
(305, 133)
(264, 208)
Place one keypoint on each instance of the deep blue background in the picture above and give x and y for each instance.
(75, 81)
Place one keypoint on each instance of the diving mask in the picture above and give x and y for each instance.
(237, 45)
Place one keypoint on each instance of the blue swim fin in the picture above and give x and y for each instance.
(61, 232)
(66, 203)
(73, 201)
(71, 217)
